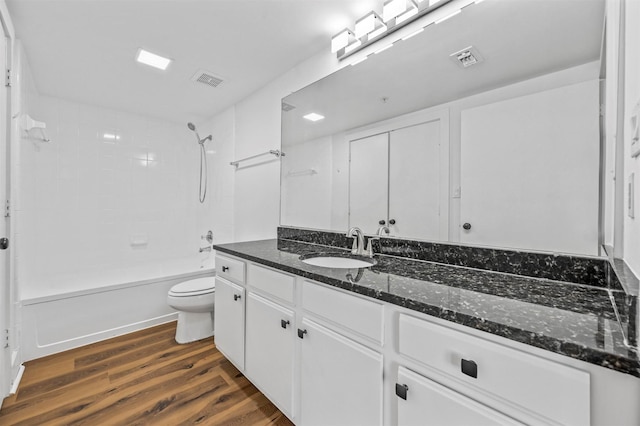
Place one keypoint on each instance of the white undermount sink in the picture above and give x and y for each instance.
(328, 261)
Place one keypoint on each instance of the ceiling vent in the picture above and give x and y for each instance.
(467, 57)
(287, 107)
(208, 78)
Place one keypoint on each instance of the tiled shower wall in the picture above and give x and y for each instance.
(113, 192)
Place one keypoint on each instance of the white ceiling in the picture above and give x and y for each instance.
(83, 50)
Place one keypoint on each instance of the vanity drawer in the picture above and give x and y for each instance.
(555, 391)
(232, 269)
(359, 315)
(271, 282)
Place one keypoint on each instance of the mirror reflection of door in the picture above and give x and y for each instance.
(395, 181)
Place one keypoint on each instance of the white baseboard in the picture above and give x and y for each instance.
(69, 321)
(16, 381)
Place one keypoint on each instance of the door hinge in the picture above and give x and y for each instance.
(7, 208)
(8, 78)
(6, 338)
(602, 110)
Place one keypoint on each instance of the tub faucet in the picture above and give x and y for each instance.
(358, 240)
(205, 249)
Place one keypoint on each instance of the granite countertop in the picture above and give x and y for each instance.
(574, 320)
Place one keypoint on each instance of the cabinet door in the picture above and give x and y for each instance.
(229, 321)
(368, 182)
(429, 403)
(341, 380)
(269, 350)
(415, 183)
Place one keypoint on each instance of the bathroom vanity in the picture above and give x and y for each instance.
(420, 342)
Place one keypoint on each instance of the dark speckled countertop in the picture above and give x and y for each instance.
(574, 320)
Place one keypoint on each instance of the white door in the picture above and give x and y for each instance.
(368, 182)
(5, 293)
(422, 402)
(415, 182)
(340, 380)
(514, 192)
(229, 321)
(269, 350)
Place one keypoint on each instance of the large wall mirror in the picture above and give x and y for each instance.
(502, 153)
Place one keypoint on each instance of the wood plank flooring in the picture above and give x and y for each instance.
(143, 378)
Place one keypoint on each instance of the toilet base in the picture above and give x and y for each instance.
(194, 326)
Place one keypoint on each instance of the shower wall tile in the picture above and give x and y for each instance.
(111, 190)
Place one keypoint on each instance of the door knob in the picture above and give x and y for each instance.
(382, 222)
(236, 297)
(392, 221)
(4, 243)
(466, 226)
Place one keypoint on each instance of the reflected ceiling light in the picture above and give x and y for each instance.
(395, 8)
(368, 24)
(111, 137)
(153, 60)
(313, 116)
(451, 15)
(342, 40)
(415, 33)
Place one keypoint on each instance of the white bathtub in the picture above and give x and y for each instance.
(89, 306)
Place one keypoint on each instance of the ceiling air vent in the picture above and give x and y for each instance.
(208, 78)
(467, 57)
(287, 107)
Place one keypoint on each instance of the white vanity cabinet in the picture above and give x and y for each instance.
(422, 401)
(229, 321)
(270, 350)
(327, 356)
(340, 380)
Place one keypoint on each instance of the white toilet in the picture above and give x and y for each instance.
(194, 300)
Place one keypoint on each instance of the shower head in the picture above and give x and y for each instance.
(201, 141)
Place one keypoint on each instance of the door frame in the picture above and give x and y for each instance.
(7, 281)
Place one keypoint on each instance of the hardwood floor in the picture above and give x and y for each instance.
(143, 378)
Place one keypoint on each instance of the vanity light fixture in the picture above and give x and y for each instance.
(341, 40)
(395, 8)
(313, 116)
(153, 60)
(370, 23)
(396, 13)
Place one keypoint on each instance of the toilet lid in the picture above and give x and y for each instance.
(199, 285)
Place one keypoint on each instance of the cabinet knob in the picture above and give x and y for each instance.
(236, 297)
(301, 333)
(284, 323)
(392, 222)
(469, 367)
(382, 222)
(401, 391)
(4, 243)
(225, 268)
(466, 226)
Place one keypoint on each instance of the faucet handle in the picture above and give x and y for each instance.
(370, 245)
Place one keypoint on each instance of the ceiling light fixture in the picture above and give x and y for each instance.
(153, 60)
(396, 14)
(313, 116)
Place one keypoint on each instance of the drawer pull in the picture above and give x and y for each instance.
(470, 368)
(236, 297)
(284, 323)
(401, 391)
(301, 333)
(225, 268)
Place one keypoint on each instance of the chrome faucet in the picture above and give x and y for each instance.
(383, 229)
(358, 240)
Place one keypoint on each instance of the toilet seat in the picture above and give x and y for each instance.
(195, 287)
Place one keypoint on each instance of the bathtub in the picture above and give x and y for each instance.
(77, 309)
